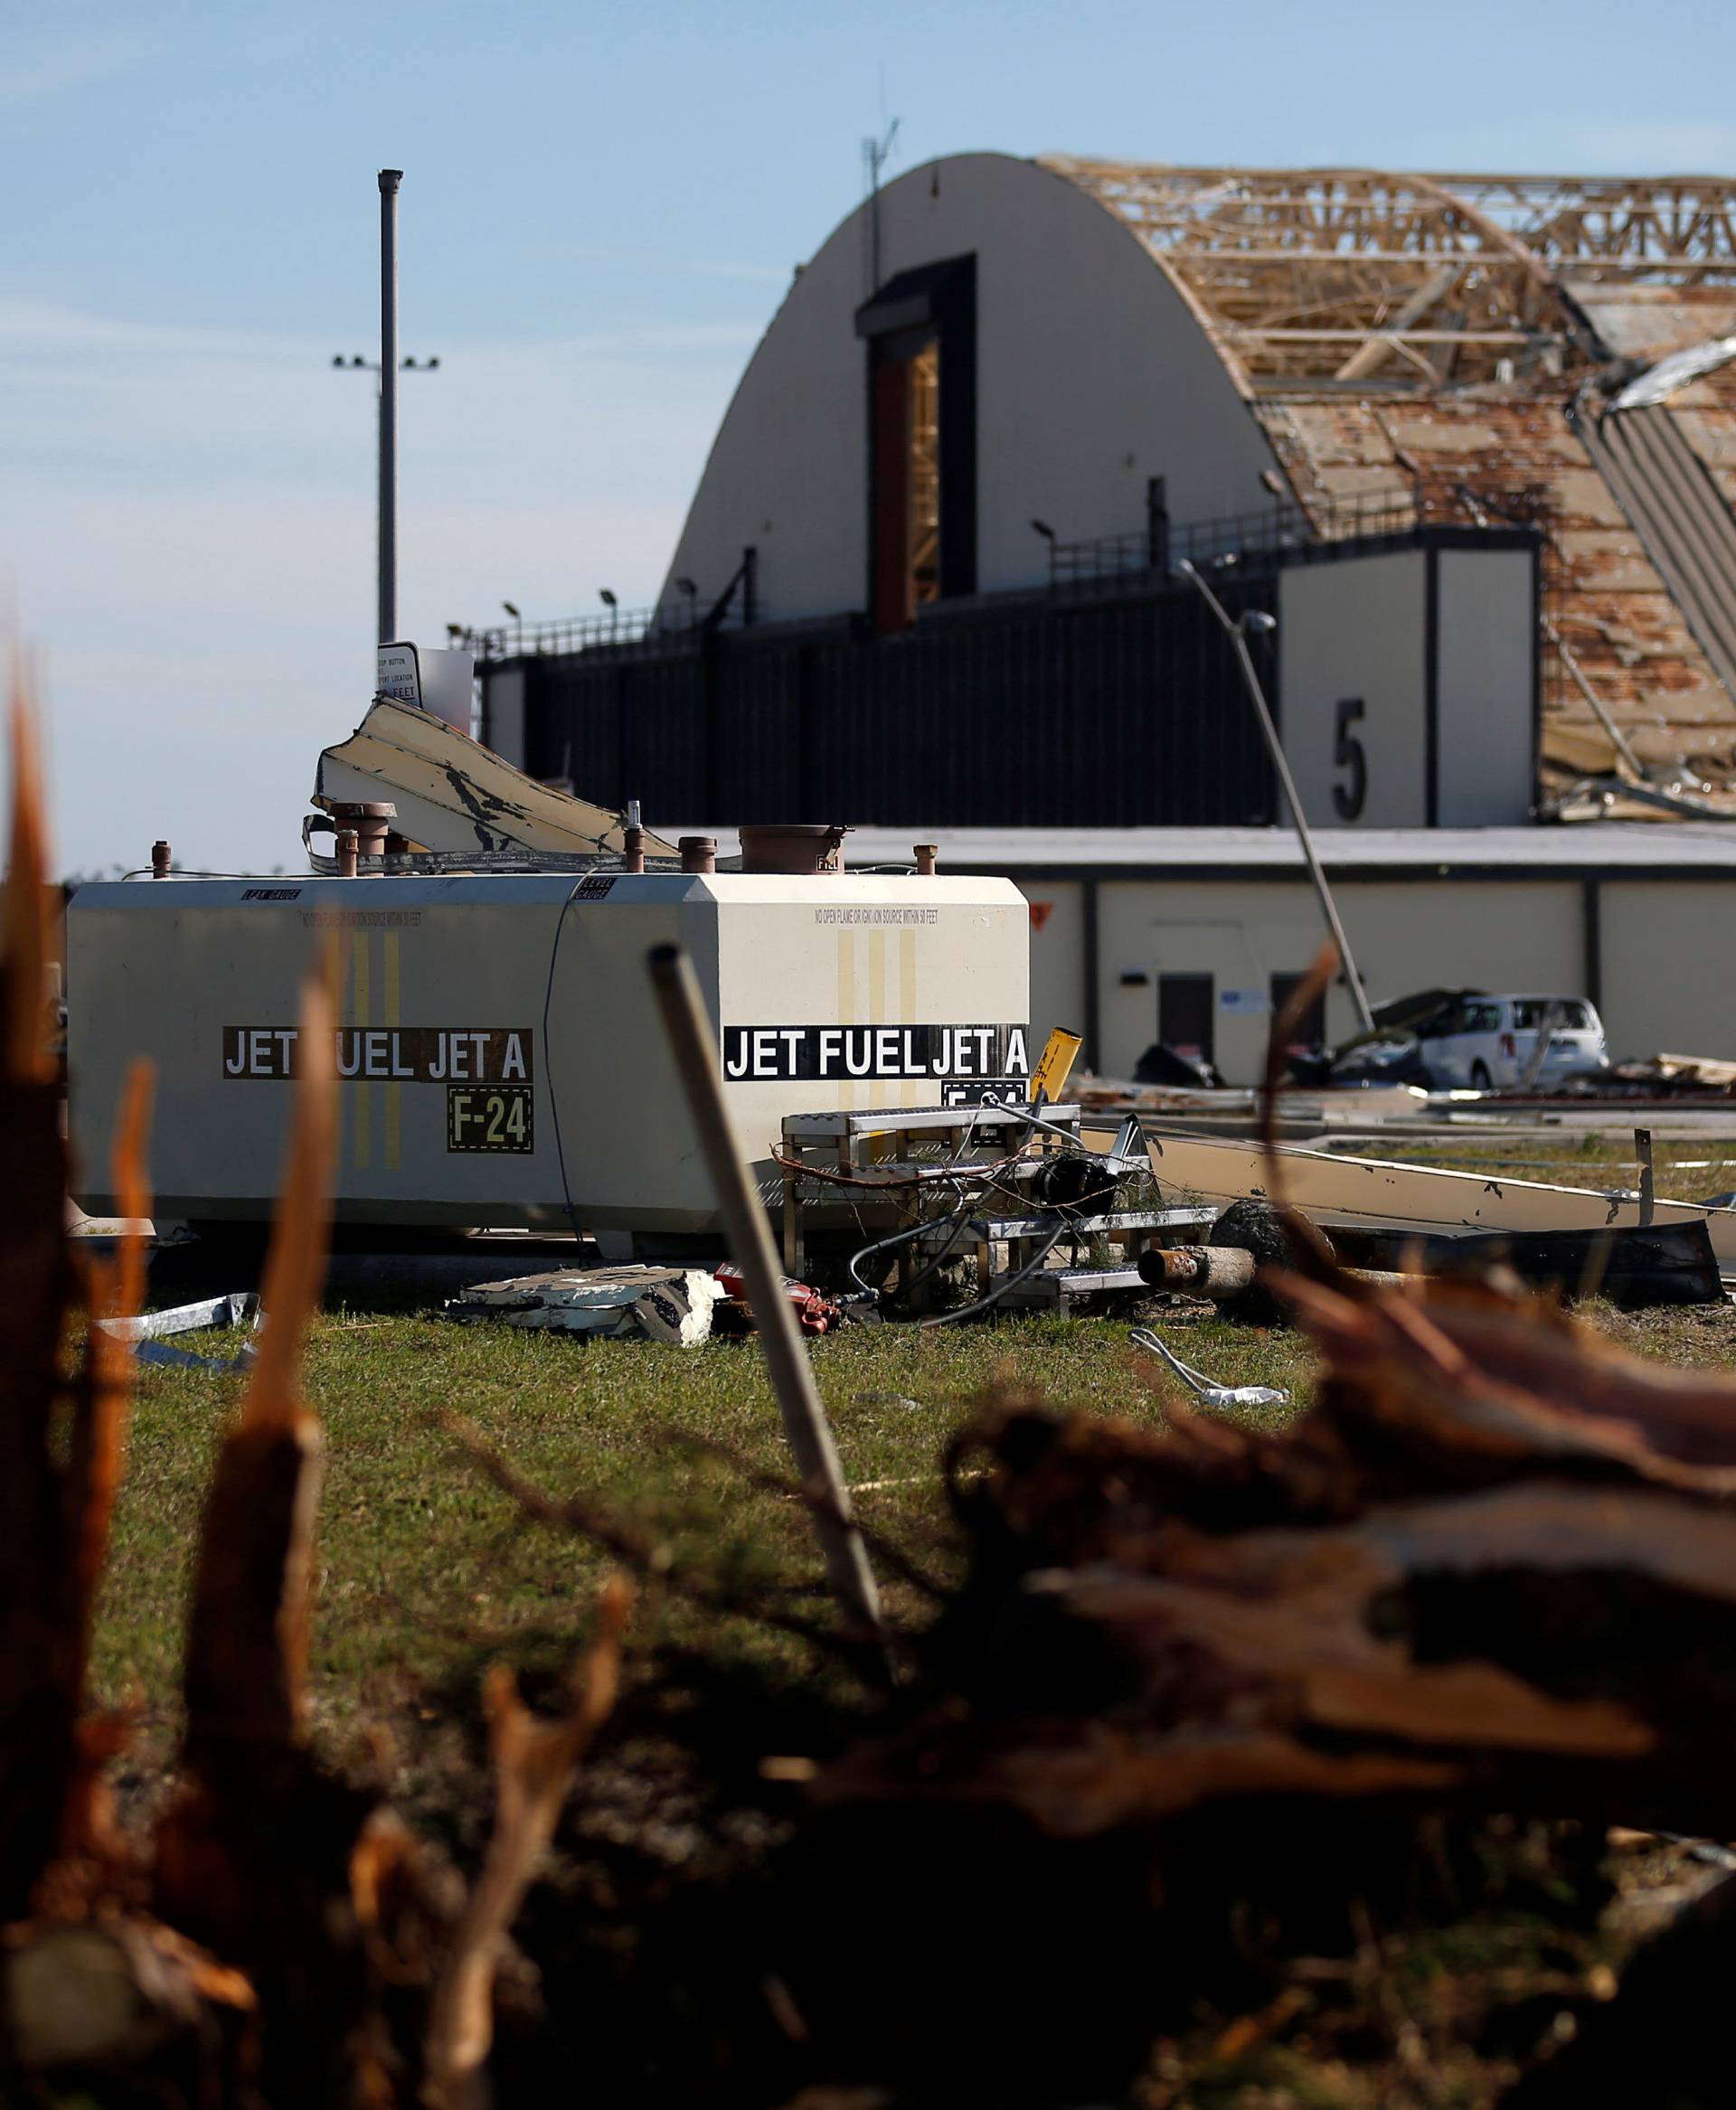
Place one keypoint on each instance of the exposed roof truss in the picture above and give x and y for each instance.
(1361, 278)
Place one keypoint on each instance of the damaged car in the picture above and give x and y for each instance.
(1449, 1039)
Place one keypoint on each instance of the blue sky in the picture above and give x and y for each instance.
(601, 208)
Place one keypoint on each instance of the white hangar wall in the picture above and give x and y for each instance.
(1408, 687)
(1091, 376)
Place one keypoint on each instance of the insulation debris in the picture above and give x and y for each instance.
(663, 1304)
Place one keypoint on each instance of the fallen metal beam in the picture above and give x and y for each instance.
(693, 1040)
(1370, 1194)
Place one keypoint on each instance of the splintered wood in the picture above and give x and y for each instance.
(1494, 1567)
(283, 1940)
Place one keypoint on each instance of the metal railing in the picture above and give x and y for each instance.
(1160, 547)
(616, 628)
(1143, 553)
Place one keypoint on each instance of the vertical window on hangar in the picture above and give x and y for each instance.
(920, 329)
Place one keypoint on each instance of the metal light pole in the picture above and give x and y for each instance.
(1238, 635)
(387, 609)
(390, 179)
(388, 366)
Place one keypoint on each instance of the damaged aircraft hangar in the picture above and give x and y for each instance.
(1469, 440)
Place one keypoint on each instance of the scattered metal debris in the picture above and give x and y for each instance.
(456, 797)
(1207, 1390)
(147, 1334)
(664, 1303)
(1370, 1194)
(814, 1312)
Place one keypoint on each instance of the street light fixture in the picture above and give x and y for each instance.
(1257, 623)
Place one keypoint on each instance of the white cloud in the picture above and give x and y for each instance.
(65, 62)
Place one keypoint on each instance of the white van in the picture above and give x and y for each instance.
(1489, 1042)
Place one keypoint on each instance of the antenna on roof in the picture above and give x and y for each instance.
(875, 154)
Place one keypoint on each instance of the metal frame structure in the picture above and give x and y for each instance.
(1355, 277)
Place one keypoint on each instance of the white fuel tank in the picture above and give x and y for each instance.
(501, 1055)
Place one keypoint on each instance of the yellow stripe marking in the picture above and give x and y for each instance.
(361, 1092)
(877, 996)
(394, 1090)
(914, 1093)
(846, 1005)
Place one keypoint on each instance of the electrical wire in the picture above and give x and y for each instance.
(961, 1218)
(1001, 1288)
(548, 1059)
(1207, 1390)
(955, 1221)
(935, 1176)
(273, 878)
(901, 1237)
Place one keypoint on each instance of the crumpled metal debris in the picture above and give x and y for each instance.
(664, 1303)
(147, 1333)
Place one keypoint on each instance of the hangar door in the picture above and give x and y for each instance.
(920, 329)
(1408, 683)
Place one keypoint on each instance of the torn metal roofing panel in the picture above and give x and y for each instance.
(453, 794)
(1342, 275)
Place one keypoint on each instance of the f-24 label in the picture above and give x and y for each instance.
(489, 1116)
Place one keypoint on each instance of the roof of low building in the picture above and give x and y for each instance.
(1592, 848)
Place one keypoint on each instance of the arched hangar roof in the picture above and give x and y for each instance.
(1327, 335)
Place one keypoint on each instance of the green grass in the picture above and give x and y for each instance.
(425, 1569)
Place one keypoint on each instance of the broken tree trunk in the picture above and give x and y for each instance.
(1494, 1567)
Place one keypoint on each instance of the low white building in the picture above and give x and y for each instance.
(1140, 934)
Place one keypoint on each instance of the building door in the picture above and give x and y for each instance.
(906, 400)
(1185, 1014)
(1310, 1030)
(920, 329)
